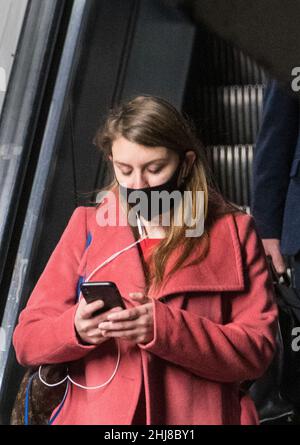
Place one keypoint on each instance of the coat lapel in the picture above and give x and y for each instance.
(221, 270)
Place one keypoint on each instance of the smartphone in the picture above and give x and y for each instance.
(102, 290)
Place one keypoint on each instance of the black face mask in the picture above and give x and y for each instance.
(150, 211)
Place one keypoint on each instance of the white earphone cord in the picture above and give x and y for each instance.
(112, 257)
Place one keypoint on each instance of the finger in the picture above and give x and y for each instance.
(127, 314)
(136, 294)
(280, 268)
(139, 296)
(132, 314)
(279, 263)
(89, 308)
(272, 246)
(118, 325)
(94, 333)
(103, 317)
(96, 339)
(126, 335)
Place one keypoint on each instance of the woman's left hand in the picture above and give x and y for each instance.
(135, 324)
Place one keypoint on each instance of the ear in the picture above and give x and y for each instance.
(189, 160)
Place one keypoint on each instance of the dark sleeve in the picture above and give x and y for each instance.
(273, 155)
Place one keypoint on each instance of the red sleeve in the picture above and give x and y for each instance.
(234, 352)
(45, 333)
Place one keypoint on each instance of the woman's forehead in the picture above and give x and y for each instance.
(124, 151)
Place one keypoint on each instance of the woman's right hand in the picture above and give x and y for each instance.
(86, 324)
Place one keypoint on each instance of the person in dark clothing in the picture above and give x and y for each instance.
(275, 202)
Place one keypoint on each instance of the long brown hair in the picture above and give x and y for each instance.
(153, 122)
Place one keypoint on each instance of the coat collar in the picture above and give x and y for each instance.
(221, 270)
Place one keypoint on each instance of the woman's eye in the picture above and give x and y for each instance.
(150, 171)
(155, 171)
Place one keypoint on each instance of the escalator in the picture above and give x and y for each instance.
(227, 90)
(88, 58)
(90, 55)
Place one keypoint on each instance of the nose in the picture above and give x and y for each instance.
(138, 181)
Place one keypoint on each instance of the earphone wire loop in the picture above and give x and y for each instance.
(111, 258)
(50, 385)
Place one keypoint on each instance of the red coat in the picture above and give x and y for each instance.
(216, 328)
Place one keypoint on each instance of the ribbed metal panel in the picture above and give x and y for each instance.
(224, 64)
(232, 167)
(231, 114)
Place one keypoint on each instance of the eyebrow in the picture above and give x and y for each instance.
(148, 163)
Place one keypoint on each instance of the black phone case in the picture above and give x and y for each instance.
(102, 290)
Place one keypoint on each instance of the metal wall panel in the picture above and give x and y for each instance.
(11, 21)
(22, 119)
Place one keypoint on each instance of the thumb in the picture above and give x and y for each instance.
(138, 296)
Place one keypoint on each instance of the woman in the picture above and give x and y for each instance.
(200, 319)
